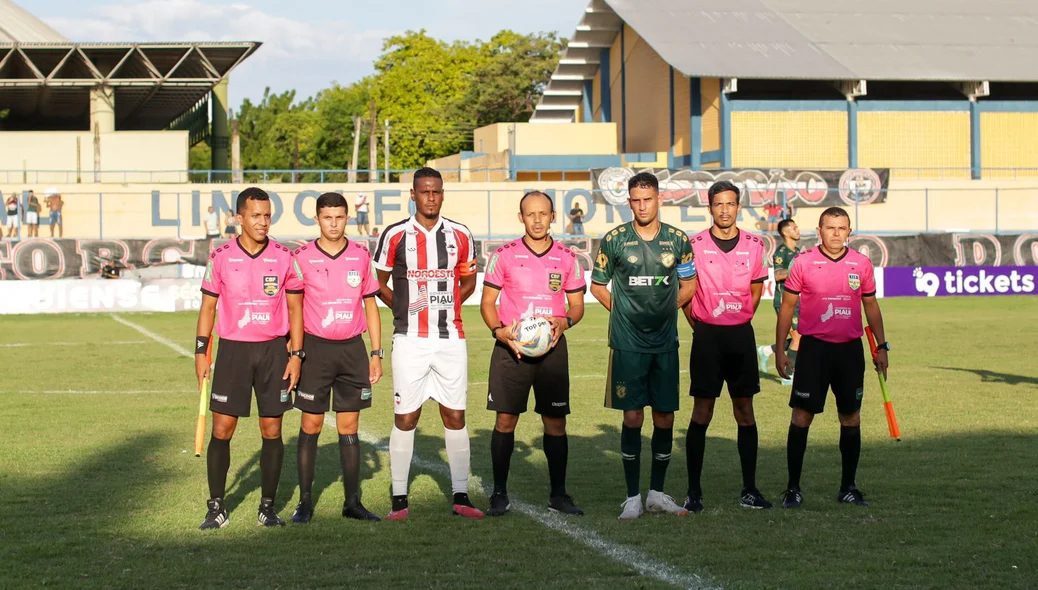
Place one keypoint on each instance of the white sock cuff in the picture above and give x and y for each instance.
(401, 439)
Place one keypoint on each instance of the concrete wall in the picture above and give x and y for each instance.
(926, 142)
(565, 139)
(163, 151)
(157, 210)
(710, 95)
(648, 97)
(793, 139)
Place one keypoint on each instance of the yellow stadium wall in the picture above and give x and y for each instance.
(615, 104)
(648, 97)
(66, 152)
(682, 142)
(924, 144)
(152, 210)
(596, 96)
(710, 95)
(794, 139)
(1009, 140)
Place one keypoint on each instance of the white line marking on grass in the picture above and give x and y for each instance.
(106, 343)
(160, 339)
(632, 558)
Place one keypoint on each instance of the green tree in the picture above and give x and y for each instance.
(511, 78)
(278, 133)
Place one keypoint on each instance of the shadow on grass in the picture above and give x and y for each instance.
(995, 377)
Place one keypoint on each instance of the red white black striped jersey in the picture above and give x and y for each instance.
(426, 267)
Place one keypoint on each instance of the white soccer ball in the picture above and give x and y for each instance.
(534, 337)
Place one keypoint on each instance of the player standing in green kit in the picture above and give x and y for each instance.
(652, 272)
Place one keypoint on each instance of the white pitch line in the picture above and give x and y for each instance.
(106, 343)
(160, 339)
(634, 559)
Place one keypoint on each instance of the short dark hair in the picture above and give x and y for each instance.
(783, 225)
(551, 203)
(833, 212)
(644, 180)
(722, 186)
(253, 193)
(332, 200)
(425, 172)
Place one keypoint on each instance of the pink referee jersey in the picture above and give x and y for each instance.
(251, 291)
(830, 293)
(533, 284)
(723, 297)
(334, 289)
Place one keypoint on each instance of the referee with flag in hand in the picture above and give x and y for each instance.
(831, 283)
(248, 281)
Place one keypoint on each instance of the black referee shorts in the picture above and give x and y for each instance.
(341, 365)
(723, 354)
(823, 365)
(512, 378)
(241, 368)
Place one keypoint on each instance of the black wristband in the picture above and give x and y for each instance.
(569, 322)
(493, 331)
(201, 344)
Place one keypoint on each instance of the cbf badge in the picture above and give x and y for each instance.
(555, 282)
(270, 285)
(854, 281)
(353, 279)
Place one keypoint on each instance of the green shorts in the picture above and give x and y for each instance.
(796, 315)
(639, 379)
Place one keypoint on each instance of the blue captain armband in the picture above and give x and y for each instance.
(687, 270)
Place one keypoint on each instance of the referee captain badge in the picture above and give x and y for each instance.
(353, 278)
(854, 281)
(555, 282)
(270, 285)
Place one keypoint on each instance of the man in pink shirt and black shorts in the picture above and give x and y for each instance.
(339, 289)
(535, 276)
(249, 281)
(732, 268)
(832, 283)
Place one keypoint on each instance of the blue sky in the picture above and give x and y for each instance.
(307, 44)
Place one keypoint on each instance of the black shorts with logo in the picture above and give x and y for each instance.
(339, 364)
(512, 378)
(242, 367)
(723, 354)
(822, 365)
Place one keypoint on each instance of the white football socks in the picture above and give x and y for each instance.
(401, 449)
(457, 443)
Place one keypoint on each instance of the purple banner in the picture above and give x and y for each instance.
(942, 281)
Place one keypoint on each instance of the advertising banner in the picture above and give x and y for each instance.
(943, 281)
(759, 186)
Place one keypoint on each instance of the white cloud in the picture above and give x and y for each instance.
(296, 54)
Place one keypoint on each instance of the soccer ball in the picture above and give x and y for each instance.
(534, 337)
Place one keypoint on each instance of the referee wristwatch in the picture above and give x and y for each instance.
(299, 353)
(379, 353)
(884, 346)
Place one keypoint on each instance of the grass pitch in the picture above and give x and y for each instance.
(100, 487)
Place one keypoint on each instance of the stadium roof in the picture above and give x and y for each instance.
(45, 80)
(899, 40)
(18, 26)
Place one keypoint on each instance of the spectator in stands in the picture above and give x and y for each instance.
(576, 217)
(55, 204)
(773, 211)
(12, 216)
(374, 232)
(230, 227)
(32, 216)
(361, 207)
(790, 211)
(212, 224)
